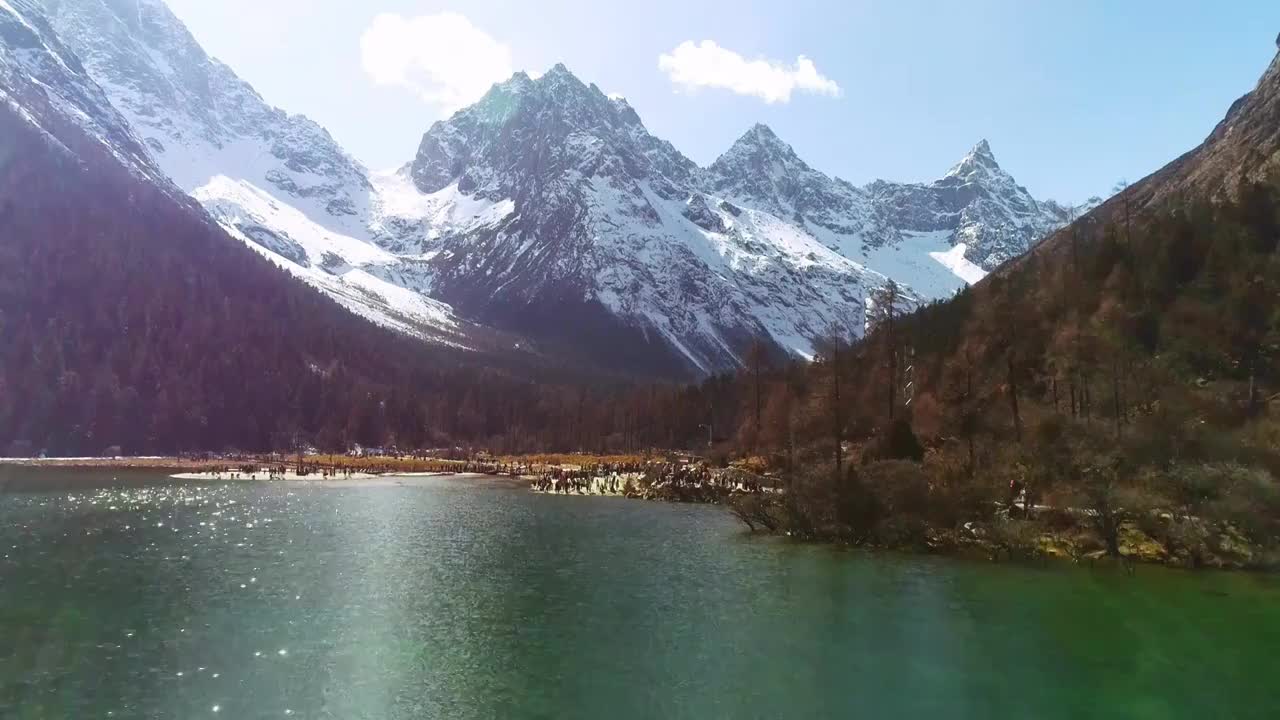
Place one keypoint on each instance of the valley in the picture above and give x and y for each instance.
(548, 199)
(547, 419)
(205, 272)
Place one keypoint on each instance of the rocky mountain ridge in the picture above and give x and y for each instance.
(548, 211)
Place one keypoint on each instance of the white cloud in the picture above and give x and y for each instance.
(697, 65)
(443, 58)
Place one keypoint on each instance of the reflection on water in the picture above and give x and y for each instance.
(438, 598)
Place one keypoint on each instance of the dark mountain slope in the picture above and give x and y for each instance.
(127, 318)
(1178, 272)
(130, 320)
(1131, 363)
(1243, 150)
(1114, 392)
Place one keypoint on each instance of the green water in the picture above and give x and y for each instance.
(443, 598)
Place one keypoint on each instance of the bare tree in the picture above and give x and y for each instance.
(832, 356)
(757, 358)
(1008, 297)
(887, 304)
(1121, 191)
(966, 405)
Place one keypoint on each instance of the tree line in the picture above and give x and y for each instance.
(1127, 364)
(1122, 377)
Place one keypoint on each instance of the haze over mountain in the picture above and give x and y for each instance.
(548, 211)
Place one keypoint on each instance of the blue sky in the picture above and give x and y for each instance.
(1072, 95)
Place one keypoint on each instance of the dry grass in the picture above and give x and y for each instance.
(574, 460)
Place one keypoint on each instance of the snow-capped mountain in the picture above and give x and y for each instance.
(613, 227)
(546, 210)
(609, 232)
(277, 181)
(762, 171)
(978, 205)
(46, 85)
(198, 118)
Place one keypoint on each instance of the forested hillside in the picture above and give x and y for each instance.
(130, 322)
(1127, 370)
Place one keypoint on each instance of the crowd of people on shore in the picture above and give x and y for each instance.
(645, 479)
(666, 480)
(276, 471)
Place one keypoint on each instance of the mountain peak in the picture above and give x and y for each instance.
(518, 83)
(762, 172)
(979, 160)
(760, 139)
(559, 73)
(562, 83)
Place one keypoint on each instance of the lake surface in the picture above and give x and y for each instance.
(136, 597)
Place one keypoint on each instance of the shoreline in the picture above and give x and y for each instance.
(321, 470)
(289, 475)
(332, 471)
(200, 468)
(108, 463)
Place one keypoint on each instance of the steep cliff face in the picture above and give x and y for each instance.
(278, 182)
(199, 120)
(45, 84)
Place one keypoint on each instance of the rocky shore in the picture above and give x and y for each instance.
(1223, 548)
